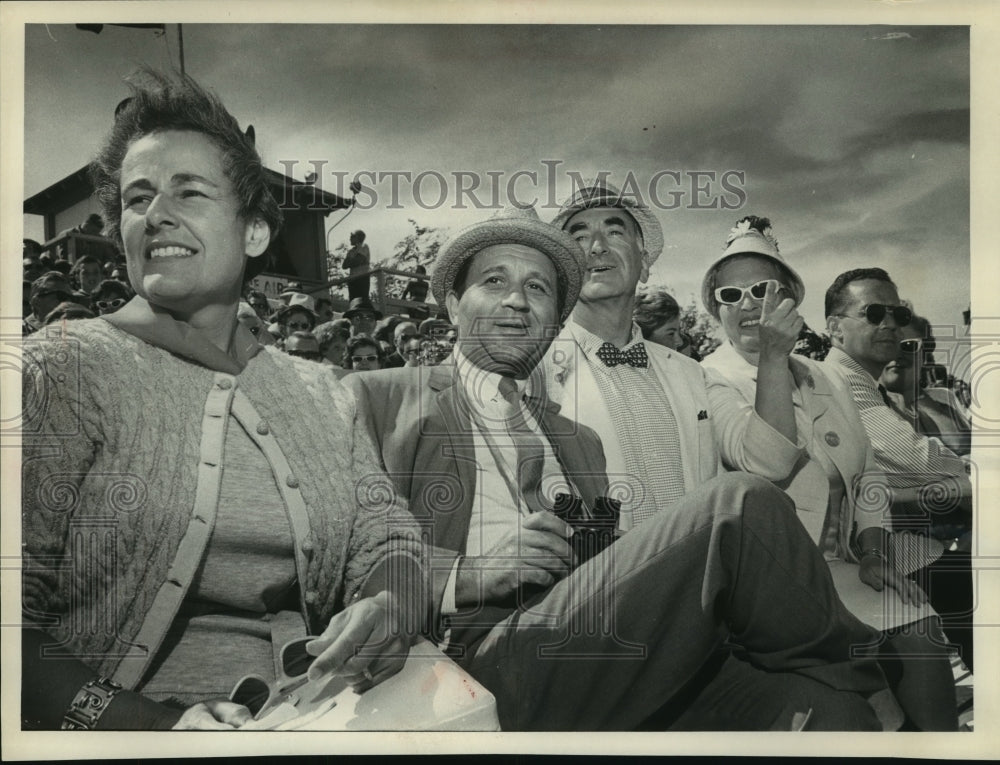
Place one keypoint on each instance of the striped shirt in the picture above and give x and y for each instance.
(646, 428)
(908, 459)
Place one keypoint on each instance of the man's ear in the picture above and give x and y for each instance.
(644, 271)
(258, 236)
(451, 303)
(833, 328)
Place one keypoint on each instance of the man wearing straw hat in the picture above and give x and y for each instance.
(648, 403)
(639, 629)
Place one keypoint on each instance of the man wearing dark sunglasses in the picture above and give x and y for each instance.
(865, 320)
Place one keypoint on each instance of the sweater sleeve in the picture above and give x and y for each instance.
(387, 549)
(747, 442)
(60, 432)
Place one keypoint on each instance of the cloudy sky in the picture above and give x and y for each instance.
(854, 140)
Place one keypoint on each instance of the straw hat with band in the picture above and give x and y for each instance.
(512, 225)
(597, 193)
(751, 236)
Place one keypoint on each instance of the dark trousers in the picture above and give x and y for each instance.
(628, 630)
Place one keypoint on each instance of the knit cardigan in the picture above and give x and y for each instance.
(112, 430)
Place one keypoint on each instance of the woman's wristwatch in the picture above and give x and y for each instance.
(89, 704)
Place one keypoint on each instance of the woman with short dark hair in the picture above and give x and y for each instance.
(223, 482)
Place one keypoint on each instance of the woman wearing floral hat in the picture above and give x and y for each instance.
(778, 415)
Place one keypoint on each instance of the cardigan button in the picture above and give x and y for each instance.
(225, 384)
(307, 547)
(311, 597)
(263, 428)
(832, 439)
(292, 482)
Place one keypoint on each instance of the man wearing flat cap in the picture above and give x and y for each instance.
(648, 403)
(570, 642)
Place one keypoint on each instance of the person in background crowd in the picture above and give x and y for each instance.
(362, 315)
(865, 318)
(294, 318)
(412, 350)
(344, 324)
(63, 266)
(324, 309)
(47, 291)
(433, 327)
(93, 226)
(332, 337)
(451, 337)
(658, 316)
(68, 310)
(292, 288)
(248, 317)
(384, 335)
(86, 274)
(719, 568)
(304, 345)
(903, 378)
(233, 468)
(30, 249)
(120, 274)
(401, 336)
(686, 346)
(416, 290)
(357, 262)
(31, 263)
(259, 302)
(648, 403)
(110, 295)
(781, 417)
(362, 353)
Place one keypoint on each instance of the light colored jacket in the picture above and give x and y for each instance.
(749, 443)
(570, 383)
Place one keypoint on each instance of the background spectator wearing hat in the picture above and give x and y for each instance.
(357, 261)
(648, 404)
(295, 317)
(362, 315)
(47, 291)
(68, 310)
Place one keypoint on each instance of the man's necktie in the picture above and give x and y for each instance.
(613, 356)
(530, 449)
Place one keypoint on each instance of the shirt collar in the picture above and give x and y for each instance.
(839, 357)
(156, 326)
(482, 387)
(590, 342)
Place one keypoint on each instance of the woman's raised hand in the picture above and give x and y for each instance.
(780, 323)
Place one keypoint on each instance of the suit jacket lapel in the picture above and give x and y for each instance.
(448, 426)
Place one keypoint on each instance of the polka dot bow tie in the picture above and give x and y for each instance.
(634, 356)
